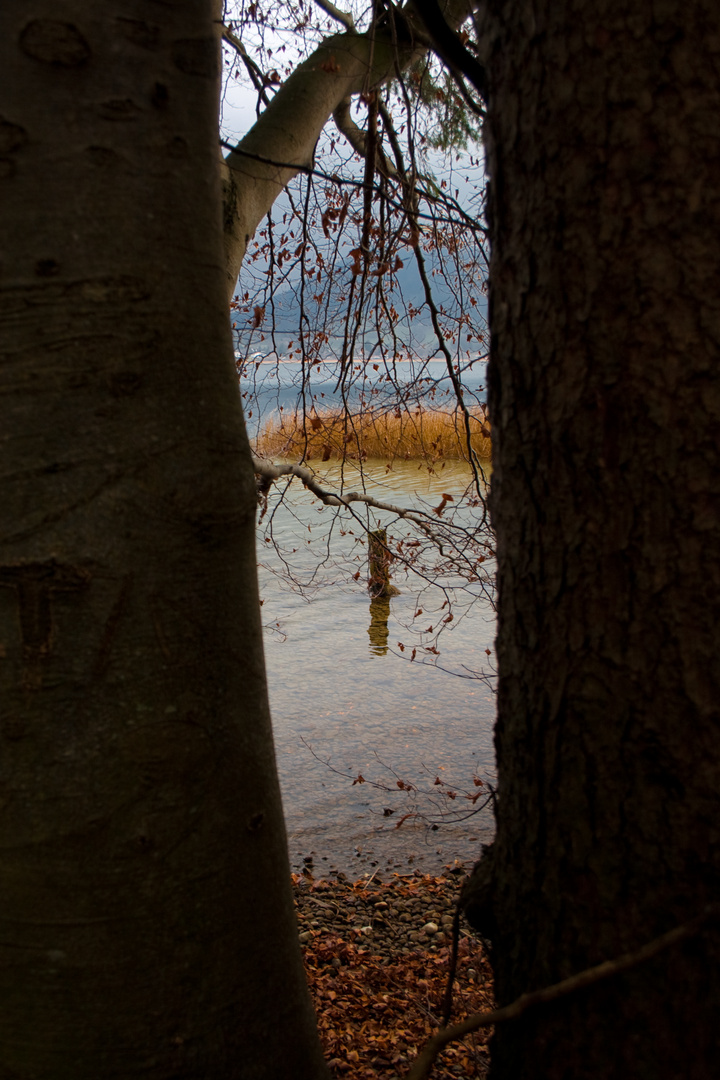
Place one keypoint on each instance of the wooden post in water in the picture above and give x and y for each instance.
(379, 559)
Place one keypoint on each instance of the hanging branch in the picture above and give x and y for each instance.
(358, 139)
(254, 71)
(410, 200)
(343, 17)
(268, 473)
(449, 46)
(475, 465)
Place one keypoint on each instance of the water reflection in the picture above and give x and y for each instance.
(378, 631)
(336, 708)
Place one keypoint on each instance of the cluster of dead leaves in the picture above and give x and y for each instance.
(375, 1016)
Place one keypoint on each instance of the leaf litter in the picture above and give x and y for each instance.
(378, 973)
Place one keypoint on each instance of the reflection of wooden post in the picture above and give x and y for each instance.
(379, 559)
(378, 631)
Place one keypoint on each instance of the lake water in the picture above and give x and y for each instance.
(345, 697)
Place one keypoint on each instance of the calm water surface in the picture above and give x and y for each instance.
(340, 701)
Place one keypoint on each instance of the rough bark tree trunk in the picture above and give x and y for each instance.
(145, 909)
(605, 403)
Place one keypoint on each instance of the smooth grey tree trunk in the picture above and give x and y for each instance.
(604, 155)
(282, 141)
(146, 920)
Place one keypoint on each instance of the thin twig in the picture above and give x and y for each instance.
(454, 379)
(470, 223)
(447, 999)
(253, 70)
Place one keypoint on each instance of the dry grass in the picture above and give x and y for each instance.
(427, 434)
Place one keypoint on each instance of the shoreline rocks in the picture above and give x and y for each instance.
(378, 957)
(410, 912)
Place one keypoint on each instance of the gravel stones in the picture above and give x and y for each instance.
(408, 913)
(377, 957)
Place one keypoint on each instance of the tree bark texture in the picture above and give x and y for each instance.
(604, 155)
(146, 921)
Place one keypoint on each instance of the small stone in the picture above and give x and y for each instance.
(430, 928)
(306, 936)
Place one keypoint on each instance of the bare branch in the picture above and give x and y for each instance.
(454, 378)
(425, 1059)
(230, 37)
(268, 472)
(358, 139)
(255, 73)
(343, 64)
(431, 197)
(469, 99)
(343, 17)
(449, 46)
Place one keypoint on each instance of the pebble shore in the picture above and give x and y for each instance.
(410, 912)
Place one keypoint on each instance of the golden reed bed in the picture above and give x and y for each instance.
(415, 434)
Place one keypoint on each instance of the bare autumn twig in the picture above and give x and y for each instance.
(427, 1056)
(452, 965)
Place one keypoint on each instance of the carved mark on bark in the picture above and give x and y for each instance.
(47, 267)
(54, 42)
(160, 96)
(196, 56)
(12, 136)
(102, 290)
(34, 584)
(143, 34)
(177, 147)
(103, 157)
(122, 109)
(110, 628)
(162, 641)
